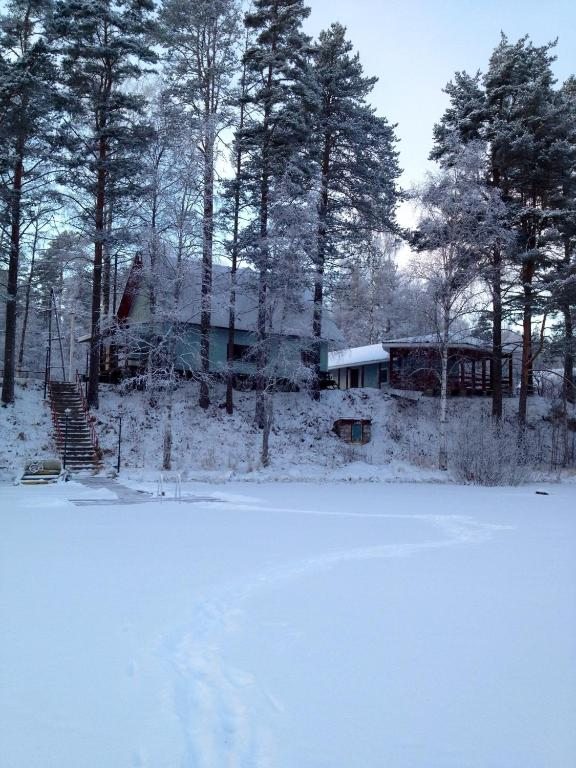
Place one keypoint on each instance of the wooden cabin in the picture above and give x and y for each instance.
(174, 323)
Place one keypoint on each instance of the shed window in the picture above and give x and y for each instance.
(356, 432)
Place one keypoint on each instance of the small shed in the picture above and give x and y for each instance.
(359, 367)
(355, 431)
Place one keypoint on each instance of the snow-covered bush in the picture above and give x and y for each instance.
(487, 452)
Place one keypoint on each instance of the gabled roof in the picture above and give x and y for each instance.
(133, 286)
(290, 310)
(344, 358)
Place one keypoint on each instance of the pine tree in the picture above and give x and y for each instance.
(527, 125)
(563, 277)
(354, 151)
(28, 123)
(103, 45)
(201, 57)
(275, 134)
(529, 131)
(234, 201)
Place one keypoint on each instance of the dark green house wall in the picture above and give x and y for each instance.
(284, 352)
(366, 375)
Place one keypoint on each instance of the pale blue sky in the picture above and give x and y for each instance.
(415, 46)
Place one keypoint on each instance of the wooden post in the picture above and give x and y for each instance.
(473, 377)
(484, 376)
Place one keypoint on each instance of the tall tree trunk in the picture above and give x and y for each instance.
(115, 284)
(320, 265)
(266, 428)
(496, 372)
(167, 439)
(528, 269)
(12, 282)
(207, 247)
(234, 263)
(443, 420)
(107, 260)
(94, 366)
(568, 384)
(569, 390)
(27, 299)
(264, 265)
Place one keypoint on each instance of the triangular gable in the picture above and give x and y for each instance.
(131, 290)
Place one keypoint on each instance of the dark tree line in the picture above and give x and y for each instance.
(195, 131)
(528, 129)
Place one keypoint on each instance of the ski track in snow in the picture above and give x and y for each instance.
(217, 706)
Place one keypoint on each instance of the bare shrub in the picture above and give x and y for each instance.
(394, 427)
(487, 452)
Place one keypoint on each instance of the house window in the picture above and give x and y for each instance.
(241, 351)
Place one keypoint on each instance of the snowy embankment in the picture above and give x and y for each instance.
(316, 625)
(211, 445)
(25, 430)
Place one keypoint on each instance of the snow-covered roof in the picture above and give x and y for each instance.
(343, 358)
(290, 310)
(459, 340)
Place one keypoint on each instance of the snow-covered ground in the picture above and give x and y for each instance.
(210, 445)
(288, 625)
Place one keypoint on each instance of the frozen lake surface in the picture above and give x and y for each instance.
(288, 625)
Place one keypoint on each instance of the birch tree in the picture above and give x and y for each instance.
(461, 222)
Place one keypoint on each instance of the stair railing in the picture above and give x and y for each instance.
(89, 417)
(54, 414)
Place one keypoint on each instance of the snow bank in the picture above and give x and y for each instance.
(25, 430)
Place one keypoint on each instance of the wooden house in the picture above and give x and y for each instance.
(415, 364)
(163, 313)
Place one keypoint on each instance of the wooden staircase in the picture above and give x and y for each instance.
(75, 437)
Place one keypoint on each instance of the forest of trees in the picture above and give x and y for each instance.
(198, 131)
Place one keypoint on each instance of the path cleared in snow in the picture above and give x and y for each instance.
(297, 625)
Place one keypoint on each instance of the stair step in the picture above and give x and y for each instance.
(72, 428)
